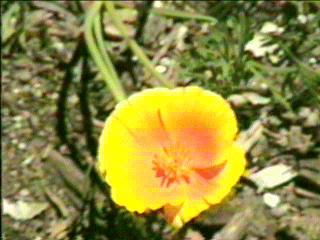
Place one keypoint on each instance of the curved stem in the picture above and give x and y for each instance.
(135, 47)
(112, 81)
(101, 45)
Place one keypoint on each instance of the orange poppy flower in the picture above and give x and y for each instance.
(171, 149)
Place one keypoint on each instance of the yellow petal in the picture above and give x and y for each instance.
(199, 120)
(204, 194)
(233, 170)
(185, 212)
(130, 139)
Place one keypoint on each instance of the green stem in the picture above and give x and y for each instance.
(101, 46)
(182, 14)
(176, 13)
(134, 46)
(112, 81)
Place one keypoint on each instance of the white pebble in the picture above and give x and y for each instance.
(271, 200)
(161, 69)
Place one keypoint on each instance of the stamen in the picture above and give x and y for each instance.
(169, 165)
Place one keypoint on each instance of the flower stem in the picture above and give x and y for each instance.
(176, 13)
(101, 45)
(182, 14)
(134, 46)
(103, 62)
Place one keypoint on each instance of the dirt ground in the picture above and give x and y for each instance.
(54, 104)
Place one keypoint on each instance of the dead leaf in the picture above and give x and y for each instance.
(272, 176)
(22, 210)
(249, 137)
(311, 117)
(256, 99)
(270, 27)
(239, 100)
(257, 46)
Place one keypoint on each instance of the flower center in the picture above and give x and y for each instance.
(170, 165)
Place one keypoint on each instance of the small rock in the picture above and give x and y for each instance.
(22, 146)
(161, 68)
(312, 60)
(302, 19)
(271, 200)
